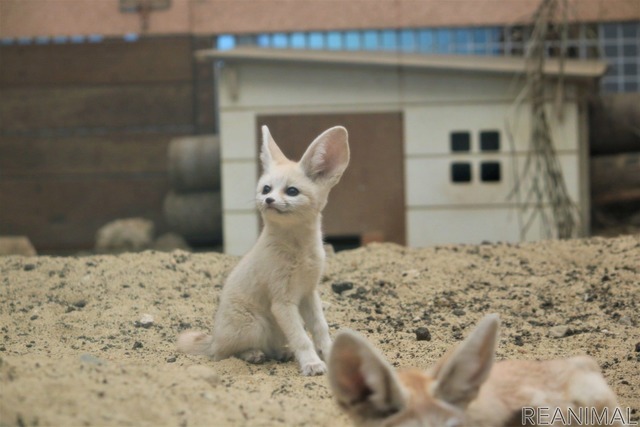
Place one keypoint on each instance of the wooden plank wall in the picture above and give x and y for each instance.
(84, 130)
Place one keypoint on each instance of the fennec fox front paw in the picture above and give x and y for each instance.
(314, 368)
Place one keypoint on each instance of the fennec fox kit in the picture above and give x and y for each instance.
(271, 296)
(464, 388)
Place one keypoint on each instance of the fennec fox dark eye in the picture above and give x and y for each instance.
(266, 189)
(292, 191)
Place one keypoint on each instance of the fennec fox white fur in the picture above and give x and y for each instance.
(464, 388)
(271, 296)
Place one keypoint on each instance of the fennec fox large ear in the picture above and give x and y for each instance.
(458, 376)
(327, 157)
(270, 152)
(362, 380)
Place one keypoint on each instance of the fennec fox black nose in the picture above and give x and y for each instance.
(269, 200)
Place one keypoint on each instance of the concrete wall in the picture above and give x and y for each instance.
(20, 18)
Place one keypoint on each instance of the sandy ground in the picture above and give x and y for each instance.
(75, 348)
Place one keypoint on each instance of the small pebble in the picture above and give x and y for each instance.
(638, 347)
(423, 334)
(146, 321)
(80, 303)
(29, 267)
(410, 275)
(340, 287)
(137, 345)
(559, 331)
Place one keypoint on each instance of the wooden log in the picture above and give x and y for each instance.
(196, 216)
(194, 164)
(615, 179)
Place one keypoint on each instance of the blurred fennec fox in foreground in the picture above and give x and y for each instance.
(465, 388)
(271, 296)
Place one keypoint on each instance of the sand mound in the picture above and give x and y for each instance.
(91, 340)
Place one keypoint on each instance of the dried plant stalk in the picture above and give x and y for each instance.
(547, 196)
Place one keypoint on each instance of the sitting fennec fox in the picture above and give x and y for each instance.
(464, 388)
(271, 296)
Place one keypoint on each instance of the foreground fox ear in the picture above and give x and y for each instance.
(364, 384)
(327, 157)
(460, 375)
(270, 152)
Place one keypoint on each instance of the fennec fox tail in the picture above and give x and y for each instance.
(270, 296)
(465, 388)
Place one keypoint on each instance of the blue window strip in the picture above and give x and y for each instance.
(316, 40)
(615, 41)
(334, 40)
(95, 38)
(226, 42)
(389, 40)
(130, 37)
(263, 40)
(370, 40)
(279, 40)
(480, 35)
(426, 41)
(298, 41)
(443, 41)
(408, 42)
(462, 36)
(352, 40)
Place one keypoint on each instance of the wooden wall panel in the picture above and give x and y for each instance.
(108, 154)
(64, 213)
(151, 60)
(84, 132)
(369, 200)
(96, 106)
